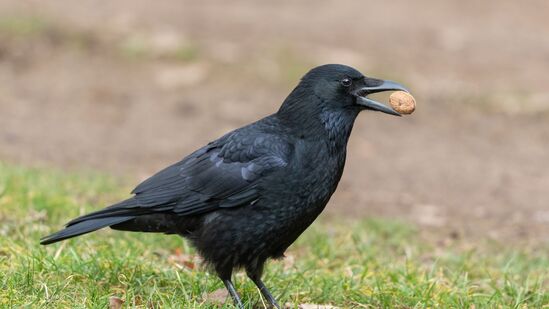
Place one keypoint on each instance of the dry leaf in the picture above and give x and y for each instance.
(309, 306)
(183, 260)
(217, 297)
(115, 302)
(316, 306)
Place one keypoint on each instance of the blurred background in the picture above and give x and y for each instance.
(128, 87)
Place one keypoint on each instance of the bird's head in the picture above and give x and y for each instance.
(342, 87)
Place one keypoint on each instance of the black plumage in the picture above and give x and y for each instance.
(247, 196)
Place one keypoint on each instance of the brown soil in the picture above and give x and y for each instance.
(128, 87)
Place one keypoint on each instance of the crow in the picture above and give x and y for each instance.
(247, 196)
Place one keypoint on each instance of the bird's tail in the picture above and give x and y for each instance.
(112, 215)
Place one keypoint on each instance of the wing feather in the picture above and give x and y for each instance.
(225, 173)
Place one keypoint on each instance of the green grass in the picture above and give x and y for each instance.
(22, 25)
(370, 263)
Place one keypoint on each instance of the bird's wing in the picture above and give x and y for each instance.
(225, 173)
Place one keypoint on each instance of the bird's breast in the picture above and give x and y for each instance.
(309, 181)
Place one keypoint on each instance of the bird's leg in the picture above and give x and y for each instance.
(266, 293)
(230, 287)
(255, 275)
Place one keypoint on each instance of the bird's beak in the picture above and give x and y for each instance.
(379, 86)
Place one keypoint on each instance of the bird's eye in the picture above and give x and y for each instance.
(346, 82)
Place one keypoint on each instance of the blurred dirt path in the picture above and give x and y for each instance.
(128, 87)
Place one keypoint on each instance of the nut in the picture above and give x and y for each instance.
(402, 102)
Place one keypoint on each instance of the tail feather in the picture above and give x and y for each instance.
(124, 208)
(115, 214)
(83, 227)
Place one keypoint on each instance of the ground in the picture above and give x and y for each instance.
(127, 87)
(371, 263)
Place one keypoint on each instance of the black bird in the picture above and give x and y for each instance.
(247, 196)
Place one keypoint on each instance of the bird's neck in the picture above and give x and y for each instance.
(314, 119)
(338, 126)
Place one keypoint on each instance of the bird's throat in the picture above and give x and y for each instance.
(338, 125)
